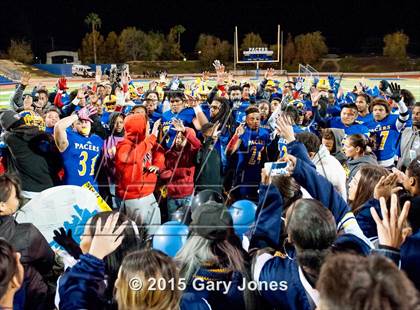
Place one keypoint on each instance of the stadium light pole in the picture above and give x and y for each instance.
(281, 56)
(234, 49)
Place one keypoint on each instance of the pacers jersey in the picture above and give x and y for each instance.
(356, 128)
(386, 136)
(365, 119)
(187, 116)
(264, 124)
(253, 143)
(80, 158)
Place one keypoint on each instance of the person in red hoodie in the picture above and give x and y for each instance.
(180, 167)
(138, 160)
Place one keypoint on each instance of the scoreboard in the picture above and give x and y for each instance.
(258, 53)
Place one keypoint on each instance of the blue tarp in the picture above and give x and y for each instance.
(5, 81)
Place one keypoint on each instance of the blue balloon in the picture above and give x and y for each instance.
(243, 216)
(170, 237)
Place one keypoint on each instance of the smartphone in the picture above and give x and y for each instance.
(276, 168)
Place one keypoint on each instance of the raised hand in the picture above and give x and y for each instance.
(269, 73)
(80, 94)
(386, 186)
(284, 127)
(124, 78)
(216, 131)
(178, 125)
(221, 75)
(401, 177)
(155, 129)
(62, 83)
(107, 239)
(299, 83)
(291, 163)
(395, 92)
(66, 241)
(98, 76)
(218, 65)
(390, 228)
(359, 88)
(25, 78)
(240, 130)
(153, 85)
(85, 113)
(315, 96)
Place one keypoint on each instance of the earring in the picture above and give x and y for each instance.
(285, 249)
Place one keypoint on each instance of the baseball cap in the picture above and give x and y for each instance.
(8, 118)
(211, 221)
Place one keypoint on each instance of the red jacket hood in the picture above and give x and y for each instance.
(135, 127)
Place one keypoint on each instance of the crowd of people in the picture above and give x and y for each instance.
(334, 176)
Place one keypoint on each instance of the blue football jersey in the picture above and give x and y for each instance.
(336, 122)
(153, 118)
(186, 115)
(365, 119)
(80, 158)
(248, 169)
(386, 135)
(264, 124)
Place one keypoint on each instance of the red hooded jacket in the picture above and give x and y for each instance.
(180, 167)
(134, 155)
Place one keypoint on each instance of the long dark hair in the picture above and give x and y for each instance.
(112, 120)
(224, 117)
(369, 177)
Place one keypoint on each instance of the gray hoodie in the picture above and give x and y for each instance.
(355, 164)
(338, 145)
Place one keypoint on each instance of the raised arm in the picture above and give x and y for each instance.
(402, 108)
(60, 134)
(17, 100)
(236, 141)
(268, 221)
(200, 118)
(60, 128)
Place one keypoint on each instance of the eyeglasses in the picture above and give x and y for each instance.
(213, 107)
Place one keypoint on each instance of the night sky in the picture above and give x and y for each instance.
(349, 26)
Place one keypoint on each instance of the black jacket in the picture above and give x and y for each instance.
(33, 157)
(208, 169)
(37, 258)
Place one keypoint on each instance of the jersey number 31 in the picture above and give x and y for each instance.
(82, 163)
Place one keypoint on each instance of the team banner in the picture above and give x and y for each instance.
(62, 206)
